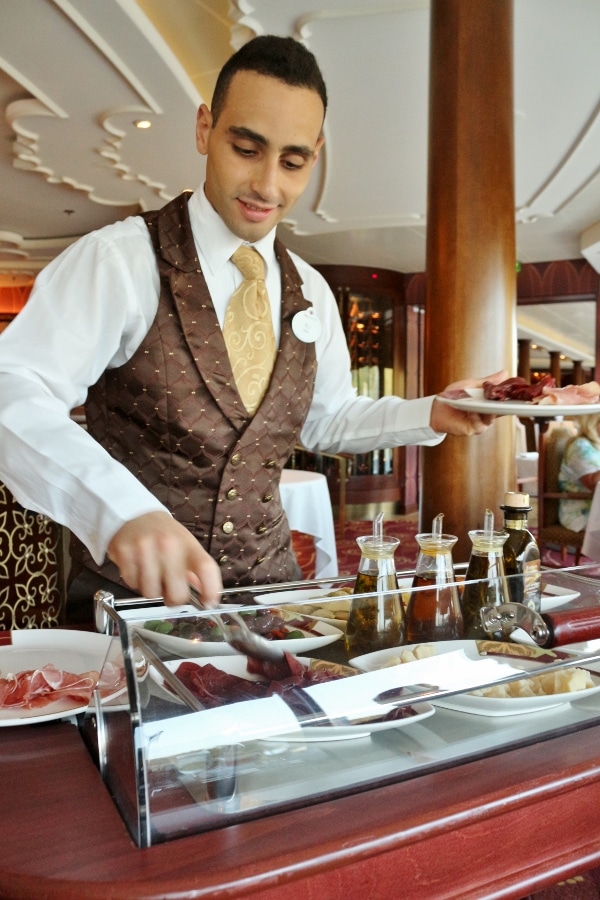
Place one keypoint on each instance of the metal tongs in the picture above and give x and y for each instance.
(237, 633)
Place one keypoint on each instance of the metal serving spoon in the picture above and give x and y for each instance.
(238, 635)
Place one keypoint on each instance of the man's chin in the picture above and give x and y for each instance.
(251, 231)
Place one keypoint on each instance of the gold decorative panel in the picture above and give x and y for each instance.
(30, 567)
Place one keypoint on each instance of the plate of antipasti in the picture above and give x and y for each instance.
(49, 674)
(517, 397)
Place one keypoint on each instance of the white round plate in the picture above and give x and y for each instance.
(476, 403)
(482, 706)
(183, 647)
(237, 666)
(71, 651)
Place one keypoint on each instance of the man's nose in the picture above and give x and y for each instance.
(264, 181)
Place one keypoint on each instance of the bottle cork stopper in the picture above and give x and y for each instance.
(516, 500)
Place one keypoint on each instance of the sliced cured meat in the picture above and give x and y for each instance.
(34, 688)
(572, 394)
(215, 688)
(543, 392)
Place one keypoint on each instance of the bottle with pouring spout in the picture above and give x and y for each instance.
(376, 619)
(485, 579)
(521, 552)
(434, 612)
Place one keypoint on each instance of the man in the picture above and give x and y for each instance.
(177, 479)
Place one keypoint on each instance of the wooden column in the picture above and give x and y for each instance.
(470, 317)
(524, 366)
(578, 377)
(555, 367)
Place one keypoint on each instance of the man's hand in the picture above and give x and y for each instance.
(160, 558)
(446, 419)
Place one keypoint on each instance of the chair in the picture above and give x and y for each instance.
(550, 532)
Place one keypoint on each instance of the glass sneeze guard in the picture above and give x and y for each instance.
(198, 742)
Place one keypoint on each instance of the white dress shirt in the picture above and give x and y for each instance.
(90, 310)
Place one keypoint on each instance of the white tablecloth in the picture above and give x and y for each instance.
(527, 472)
(591, 540)
(307, 504)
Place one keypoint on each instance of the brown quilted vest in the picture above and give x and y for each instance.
(173, 416)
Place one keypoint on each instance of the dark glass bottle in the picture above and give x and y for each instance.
(521, 552)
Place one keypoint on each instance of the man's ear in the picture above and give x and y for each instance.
(203, 128)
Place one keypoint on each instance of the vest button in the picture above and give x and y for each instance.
(227, 527)
(223, 560)
(236, 459)
(267, 497)
(231, 494)
(270, 464)
(261, 529)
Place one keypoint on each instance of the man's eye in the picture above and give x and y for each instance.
(244, 151)
(290, 164)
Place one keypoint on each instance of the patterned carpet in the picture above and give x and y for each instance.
(584, 886)
(348, 550)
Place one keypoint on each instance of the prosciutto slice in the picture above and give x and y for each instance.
(572, 394)
(35, 688)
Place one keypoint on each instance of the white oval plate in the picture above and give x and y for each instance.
(71, 651)
(188, 648)
(482, 706)
(237, 666)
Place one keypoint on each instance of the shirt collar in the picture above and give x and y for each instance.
(216, 242)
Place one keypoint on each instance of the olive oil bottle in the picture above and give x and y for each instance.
(521, 552)
(376, 619)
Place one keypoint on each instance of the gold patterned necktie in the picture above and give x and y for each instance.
(248, 329)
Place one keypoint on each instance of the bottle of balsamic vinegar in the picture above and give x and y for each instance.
(521, 552)
(376, 620)
(434, 612)
(485, 579)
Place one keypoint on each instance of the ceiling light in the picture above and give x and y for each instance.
(143, 123)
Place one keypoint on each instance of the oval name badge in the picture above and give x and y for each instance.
(306, 326)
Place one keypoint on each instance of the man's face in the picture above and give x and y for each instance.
(261, 152)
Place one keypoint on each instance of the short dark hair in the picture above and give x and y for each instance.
(277, 57)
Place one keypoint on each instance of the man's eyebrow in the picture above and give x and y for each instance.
(248, 134)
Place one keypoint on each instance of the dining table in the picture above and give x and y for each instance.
(501, 824)
(307, 503)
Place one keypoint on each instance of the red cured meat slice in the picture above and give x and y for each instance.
(517, 389)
